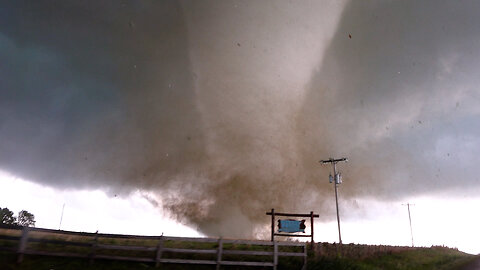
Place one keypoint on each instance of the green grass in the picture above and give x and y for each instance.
(418, 259)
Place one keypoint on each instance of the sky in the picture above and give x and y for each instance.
(205, 114)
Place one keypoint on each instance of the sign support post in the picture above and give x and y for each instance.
(311, 224)
(273, 224)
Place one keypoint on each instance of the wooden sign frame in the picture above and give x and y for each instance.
(274, 214)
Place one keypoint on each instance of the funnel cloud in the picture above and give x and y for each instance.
(221, 110)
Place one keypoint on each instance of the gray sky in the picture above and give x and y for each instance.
(222, 109)
(398, 91)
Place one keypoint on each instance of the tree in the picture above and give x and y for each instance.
(6, 216)
(26, 219)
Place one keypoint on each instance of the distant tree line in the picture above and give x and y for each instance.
(24, 218)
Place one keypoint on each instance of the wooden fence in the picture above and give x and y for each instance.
(90, 245)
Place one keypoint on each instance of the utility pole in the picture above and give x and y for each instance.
(61, 217)
(337, 178)
(410, 219)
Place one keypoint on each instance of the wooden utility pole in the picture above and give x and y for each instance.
(337, 180)
(61, 217)
(410, 219)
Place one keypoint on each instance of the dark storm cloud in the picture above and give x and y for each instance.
(222, 109)
(397, 85)
(93, 94)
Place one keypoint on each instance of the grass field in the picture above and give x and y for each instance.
(418, 259)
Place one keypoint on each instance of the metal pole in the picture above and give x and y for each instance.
(336, 201)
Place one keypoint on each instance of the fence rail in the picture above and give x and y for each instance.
(92, 244)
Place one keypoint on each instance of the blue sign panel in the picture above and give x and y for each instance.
(291, 225)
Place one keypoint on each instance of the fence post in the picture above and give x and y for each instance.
(93, 248)
(273, 224)
(23, 244)
(219, 252)
(158, 258)
(275, 255)
(305, 257)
